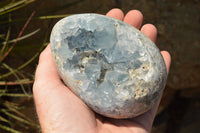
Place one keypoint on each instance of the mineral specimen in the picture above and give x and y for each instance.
(114, 68)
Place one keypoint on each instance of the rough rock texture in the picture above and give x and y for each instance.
(115, 69)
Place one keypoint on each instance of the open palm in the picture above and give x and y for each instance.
(61, 111)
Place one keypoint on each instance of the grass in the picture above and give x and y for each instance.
(10, 112)
(16, 82)
(14, 5)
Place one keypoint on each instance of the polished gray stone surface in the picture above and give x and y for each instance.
(115, 69)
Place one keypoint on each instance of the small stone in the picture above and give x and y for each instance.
(114, 68)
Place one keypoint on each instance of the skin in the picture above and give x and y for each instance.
(61, 111)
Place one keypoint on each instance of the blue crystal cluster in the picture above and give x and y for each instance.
(114, 68)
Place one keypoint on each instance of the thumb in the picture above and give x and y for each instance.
(57, 107)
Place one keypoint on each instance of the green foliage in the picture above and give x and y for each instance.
(11, 90)
(14, 5)
(15, 82)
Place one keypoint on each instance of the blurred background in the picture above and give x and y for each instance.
(25, 27)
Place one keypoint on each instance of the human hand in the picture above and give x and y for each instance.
(61, 111)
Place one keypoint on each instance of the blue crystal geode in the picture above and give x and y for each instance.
(114, 68)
